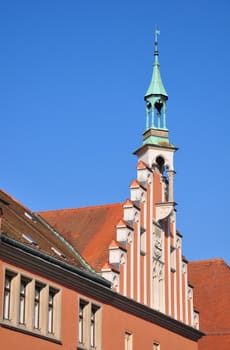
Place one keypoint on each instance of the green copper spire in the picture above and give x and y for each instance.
(156, 144)
(156, 96)
(156, 86)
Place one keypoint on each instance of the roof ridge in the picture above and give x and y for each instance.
(81, 208)
(212, 260)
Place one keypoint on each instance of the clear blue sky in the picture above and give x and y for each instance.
(72, 79)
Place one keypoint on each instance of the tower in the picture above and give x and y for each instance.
(168, 290)
(156, 150)
(135, 245)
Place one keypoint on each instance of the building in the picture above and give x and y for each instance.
(136, 245)
(109, 276)
(211, 281)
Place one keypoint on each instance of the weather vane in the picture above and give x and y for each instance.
(157, 32)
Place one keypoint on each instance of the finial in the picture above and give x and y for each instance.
(157, 32)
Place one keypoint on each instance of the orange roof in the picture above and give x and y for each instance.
(90, 229)
(211, 281)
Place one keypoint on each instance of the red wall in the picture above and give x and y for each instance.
(114, 325)
(116, 322)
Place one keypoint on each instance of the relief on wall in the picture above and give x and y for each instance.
(196, 320)
(190, 293)
(163, 210)
(157, 244)
(158, 270)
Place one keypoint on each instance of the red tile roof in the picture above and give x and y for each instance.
(90, 230)
(211, 281)
(22, 225)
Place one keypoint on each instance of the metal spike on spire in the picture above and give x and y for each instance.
(157, 32)
(156, 86)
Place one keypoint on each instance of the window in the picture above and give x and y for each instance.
(7, 296)
(156, 346)
(82, 321)
(22, 301)
(89, 325)
(31, 305)
(128, 341)
(50, 311)
(93, 325)
(37, 305)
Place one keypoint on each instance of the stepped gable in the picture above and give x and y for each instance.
(27, 228)
(211, 281)
(89, 229)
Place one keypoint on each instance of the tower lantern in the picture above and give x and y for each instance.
(156, 95)
(156, 150)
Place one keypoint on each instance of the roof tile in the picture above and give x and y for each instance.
(89, 229)
(211, 281)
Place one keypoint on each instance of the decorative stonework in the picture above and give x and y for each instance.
(178, 242)
(190, 292)
(116, 255)
(196, 320)
(143, 197)
(143, 173)
(130, 211)
(184, 267)
(115, 281)
(149, 178)
(158, 270)
(123, 231)
(123, 259)
(130, 237)
(163, 210)
(111, 276)
(137, 216)
(137, 191)
(173, 217)
(166, 187)
(157, 243)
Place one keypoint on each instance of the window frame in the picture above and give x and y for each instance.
(89, 324)
(128, 340)
(26, 310)
(10, 276)
(23, 300)
(156, 345)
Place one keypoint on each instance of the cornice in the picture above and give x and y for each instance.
(23, 252)
(145, 146)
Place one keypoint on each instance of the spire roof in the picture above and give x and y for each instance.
(156, 86)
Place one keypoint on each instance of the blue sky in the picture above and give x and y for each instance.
(73, 76)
